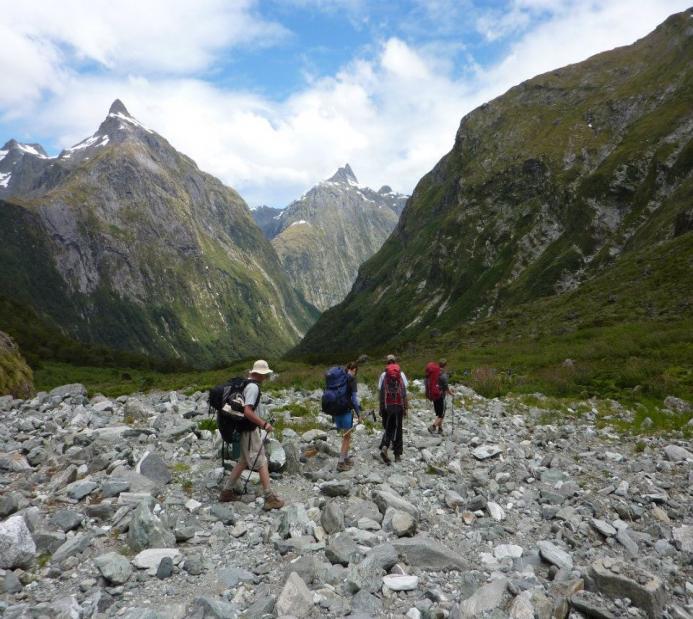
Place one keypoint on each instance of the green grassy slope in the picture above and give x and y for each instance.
(559, 179)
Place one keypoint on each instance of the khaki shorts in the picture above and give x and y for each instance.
(251, 448)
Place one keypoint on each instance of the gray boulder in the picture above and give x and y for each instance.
(618, 579)
(426, 553)
(73, 546)
(114, 567)
(332, 518)
(295, 600)
(485, 599)
(147, 531)
(342, 549)
(152, 466)
(17, 547)
(66, 520)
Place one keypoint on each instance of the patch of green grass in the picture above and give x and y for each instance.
(296, 410)
(207, 424)
(180, 467)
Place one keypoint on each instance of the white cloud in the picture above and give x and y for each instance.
(392, 114)
(42, 41)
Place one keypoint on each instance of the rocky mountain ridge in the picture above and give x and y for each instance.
(122, 241)
(323, 237)
(546, 187)
(109, 508)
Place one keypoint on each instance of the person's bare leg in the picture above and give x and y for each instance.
(236, 472)
(264, 478)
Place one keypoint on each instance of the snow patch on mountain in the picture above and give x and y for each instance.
(5, 178)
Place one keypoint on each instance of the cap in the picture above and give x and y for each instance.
(390, 358)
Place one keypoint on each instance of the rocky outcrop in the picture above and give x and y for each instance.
(16, 377)
(546, 188)
(325, 236)
(122, 241)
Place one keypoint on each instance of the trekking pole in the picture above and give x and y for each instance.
(262, 446)
(452, 412)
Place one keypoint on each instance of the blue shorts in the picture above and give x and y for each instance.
(344, 421)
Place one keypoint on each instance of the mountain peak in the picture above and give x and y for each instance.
(32, 149)
(344, 175)
(118, 107)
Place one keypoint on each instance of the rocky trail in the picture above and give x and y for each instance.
(108, 509)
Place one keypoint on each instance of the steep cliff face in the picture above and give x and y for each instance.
(122, 241)
(546, 187)
(330, 231)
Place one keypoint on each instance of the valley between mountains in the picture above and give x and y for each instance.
(548, 256)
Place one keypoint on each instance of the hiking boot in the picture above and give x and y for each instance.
(432, 428)
(440, 429)
(272, 501)
(343, 466)
(384, 456)
(229, 494)
(397, 457)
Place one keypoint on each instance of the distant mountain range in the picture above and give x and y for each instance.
(565, 179)
(323, 237)
(122, 241)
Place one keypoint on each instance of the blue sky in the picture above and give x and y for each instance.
(272, 96)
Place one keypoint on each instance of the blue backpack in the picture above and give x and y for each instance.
(335, 398)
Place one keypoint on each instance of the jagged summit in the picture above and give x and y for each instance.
(118, 107)
(32, 149)
(344, 175)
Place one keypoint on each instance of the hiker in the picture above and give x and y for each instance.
(252, 448)
(392, 387)
(437, 389)
(345, 420)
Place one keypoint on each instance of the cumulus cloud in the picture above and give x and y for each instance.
(391, 112)
(45, 42)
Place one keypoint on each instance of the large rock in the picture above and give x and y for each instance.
(206, 607)
(484, 452)
(152, 466)
(554, 555)
(485, 599)
(402, 524)
(618, 579)
(401, 582)
(357, 509)
(683, 537)
(677, 454)
(342, 549)
(294, 521)
(385, 499)
(114, 567)
(149, 559)
(277, 456)
(367, 574)
(332, 518)
(66, 520)
(17, 548)
(81, 488)
(73, 546)
(295, 600)
(292, 454)
(337, 487)
(147, 531)
(424, 552)
(74, 390)
(14, 462)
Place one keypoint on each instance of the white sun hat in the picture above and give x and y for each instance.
(261, 367)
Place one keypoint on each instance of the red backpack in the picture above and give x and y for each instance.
(393, 387)
(433, 391)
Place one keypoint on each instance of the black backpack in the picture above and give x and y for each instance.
(227, 401)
